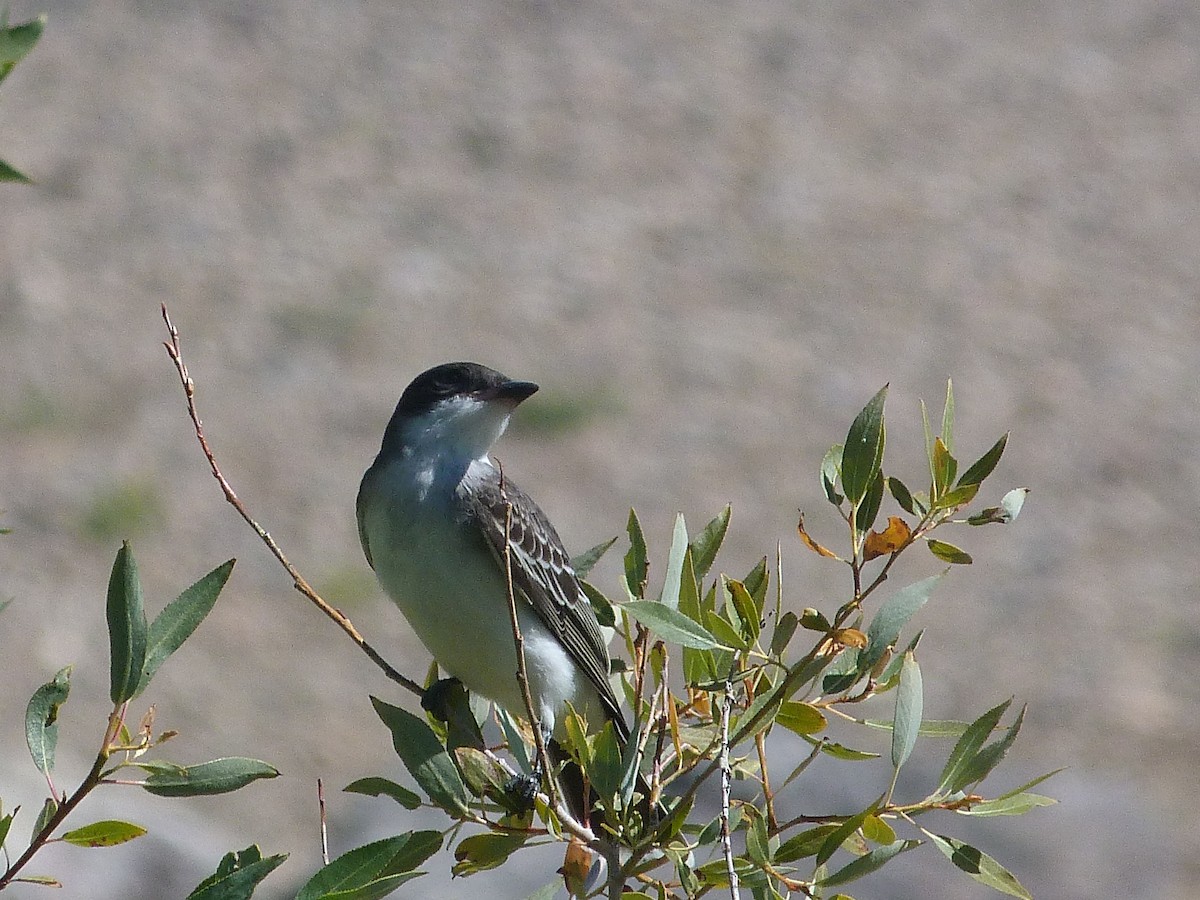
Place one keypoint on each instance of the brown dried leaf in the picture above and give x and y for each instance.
(810, 543)
(850, 637)
(575, 867)
(891, 539)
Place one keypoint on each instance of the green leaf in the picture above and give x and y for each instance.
(948, 417)
(802, 845)
(672, 625)
(891, 617)
(489, 850)
(9, 174)
(1007, 511)
(877, 831)
(5, 825)
(868, 863)
(585, 561)
(1016, 805)
(218, 776)
(705, 547)
(949, 553)
(979, 866)
(41, 719)
(601, 605)
(637, 564)
(748, 612)
(945, 467)
(785, 628)
(17, 41)
(868, 510)
(959, 496)
(126, 626)
(907, 722)
(838, 836)
(606, 769)
(831, 471)
(863, 453)
(801, 718)
(49, 808)
(902, 494)
(373, 870)
(841, 751)
(179, 619)
(674, 577)
(930, 728)
(990, 756)
(982, 467)
(425, 758)
(966, 748)
(108, 833)
(237, 875)
(382, 787)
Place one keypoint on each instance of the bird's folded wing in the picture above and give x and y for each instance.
(543, 577)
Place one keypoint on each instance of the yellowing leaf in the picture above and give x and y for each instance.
(810, 543)
(576, 865)
(850, 637)
(891, 539)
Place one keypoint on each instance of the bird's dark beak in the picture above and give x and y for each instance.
(511, 392)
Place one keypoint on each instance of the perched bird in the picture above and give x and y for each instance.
(431, 516)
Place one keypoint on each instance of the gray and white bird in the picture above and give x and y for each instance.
(431, 517)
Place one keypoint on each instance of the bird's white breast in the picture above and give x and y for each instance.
(433, 565)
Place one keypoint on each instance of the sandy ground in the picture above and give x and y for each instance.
(710, 232)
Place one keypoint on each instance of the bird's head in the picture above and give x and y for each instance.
(456, 409)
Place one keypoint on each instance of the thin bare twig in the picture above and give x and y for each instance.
(324, 829)
(539, 739)
(189, 388)
(726, 784)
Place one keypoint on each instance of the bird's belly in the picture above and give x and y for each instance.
(455, 598)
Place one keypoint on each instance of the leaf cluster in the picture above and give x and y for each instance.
(716, 664)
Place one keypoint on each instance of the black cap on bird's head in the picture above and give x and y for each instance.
(457, 390)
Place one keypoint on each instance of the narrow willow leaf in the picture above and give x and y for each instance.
(382, 787)
(902, 494)
(930, 728)
(785, 628)
(489, 850)
(180, 618)
(868, 510)
(601, 605)
(585, 561)
(948, 417)
(673, 579)
(928, 438)
(49, 808)
(909, 701)
(607, 768)
(979, 866)
(841, 751)
(831, 471)
(108, 833)
(126, 626)
(956, 497)
(945, 467)
(725, 631)
(5, 825)
(1016, 805)
(801, 718)
(891, 617)
(810, 543)
(219, 776)
(424, 757)
(990, 756)
(237, 875)
(967, 746)
(672, 625)
(637, 565)
(982, 467)
(17, 41)
(704, 548)
(949, 553)
(512, 737)
(868, 863)
(365, 872)
(839, 835)
(877, 831)
(749, 613)
(863, 451)
(41, 719)
(802, 845)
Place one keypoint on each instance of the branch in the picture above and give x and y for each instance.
(726, 781)
(189, 389)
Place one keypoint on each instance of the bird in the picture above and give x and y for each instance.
(439, 522)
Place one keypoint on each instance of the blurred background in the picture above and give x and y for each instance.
(711, 232)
